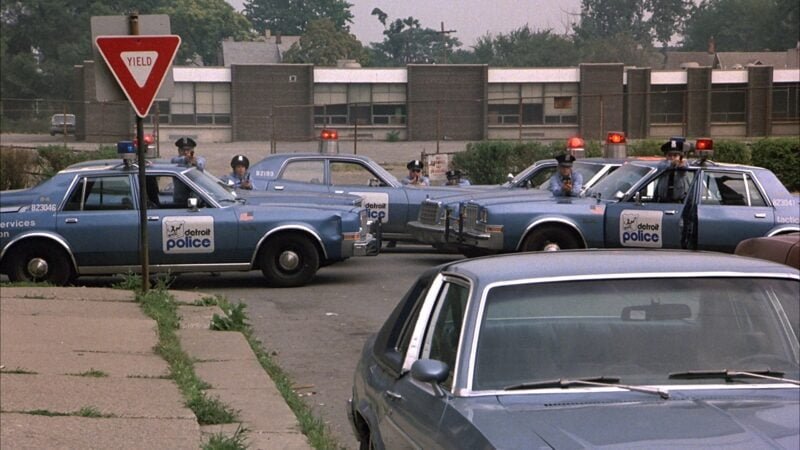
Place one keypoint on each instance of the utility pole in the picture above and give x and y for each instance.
(443, 33)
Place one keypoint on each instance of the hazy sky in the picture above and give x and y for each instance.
(470, 18)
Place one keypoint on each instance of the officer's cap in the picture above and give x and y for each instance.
(674, 145)
(414, 164)
(185, 142)
(451, 174)
(565, 160)
(240, 160)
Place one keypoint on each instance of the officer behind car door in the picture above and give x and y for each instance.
(240, 177)
(454, 178)
(673, 185)
(565, 182)
(186, 156)
(415, 177)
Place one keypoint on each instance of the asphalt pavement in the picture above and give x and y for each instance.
(78, 369)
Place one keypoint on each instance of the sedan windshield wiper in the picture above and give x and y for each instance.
(602, 381)
(730, 375)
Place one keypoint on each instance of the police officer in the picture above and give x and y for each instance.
(673, 185)
(240, 177)
(415, 177)
(565, 182)
(454, 178)
(186, 154)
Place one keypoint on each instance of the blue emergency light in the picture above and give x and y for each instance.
(126, 150)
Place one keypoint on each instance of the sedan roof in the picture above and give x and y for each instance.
(583, 263)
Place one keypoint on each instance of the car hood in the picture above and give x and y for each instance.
(491, 193)
(760, 419)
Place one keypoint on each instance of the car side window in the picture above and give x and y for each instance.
(444, 329)
(101, 194)
(541, 179)
(169, 192)
(304, 172)
(672, 186)
(730, 189)
(408, 328)
(352, 174)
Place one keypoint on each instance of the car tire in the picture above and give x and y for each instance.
(40, 261)
(550, 238)
(289, 260)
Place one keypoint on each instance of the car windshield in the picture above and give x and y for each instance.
(618, 181)
(637, 330)
(211, 185)
(60, 119)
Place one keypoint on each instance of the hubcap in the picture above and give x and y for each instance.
(551, 247)
(37, 267)
(289, 260)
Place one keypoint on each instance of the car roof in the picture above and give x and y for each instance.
(285, 156)
(582, 263)
(117, 165)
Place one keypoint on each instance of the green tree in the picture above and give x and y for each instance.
(406, 42)
(292, 17)
(526, 48)
(620, 48)
(641, 20)
(743, 25)
(202, 25)
(322, 44)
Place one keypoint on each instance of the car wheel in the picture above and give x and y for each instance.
(38, 261)
(550, 238)
(470, 252)
(289, 260)
(368, 443)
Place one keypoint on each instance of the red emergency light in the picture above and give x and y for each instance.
(615, 137)
(575, 142)
(704, 144)
(329, 135)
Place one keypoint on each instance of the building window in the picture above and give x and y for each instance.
(362, 104)
(728, 103)
(160, 109)
(666, 103)
(560, 106)
(532, 103)
(785, 101)
(197, 104)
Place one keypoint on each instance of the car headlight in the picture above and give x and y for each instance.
(483, 215)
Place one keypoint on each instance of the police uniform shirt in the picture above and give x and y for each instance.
(556, 183)
(423, 181)
(200, 162)
(673, 185)
(233, 179)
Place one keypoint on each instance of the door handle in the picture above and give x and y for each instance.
(153, 218)
(670, 212)
(338, 192)
(71, 220)
(760, 215)
(278, 188)
(393, 395)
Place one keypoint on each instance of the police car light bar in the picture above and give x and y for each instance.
(126, 150)
(328, 135)
(704, 144)
(575, 142)
(615, 137)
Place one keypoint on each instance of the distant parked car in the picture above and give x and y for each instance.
(784, 248)
(62, 124)
(586, 349)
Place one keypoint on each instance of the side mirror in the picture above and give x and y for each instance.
(510, 176)
(638, 197)
(192, 203)
(431, 371)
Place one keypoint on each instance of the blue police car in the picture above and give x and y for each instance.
(85, 221)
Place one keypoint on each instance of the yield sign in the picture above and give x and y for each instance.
(139, 63)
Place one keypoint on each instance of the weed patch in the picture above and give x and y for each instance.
(18, 371)
(91, 373)
(219, 441)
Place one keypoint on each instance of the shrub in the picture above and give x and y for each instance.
(732, 152)
(58, 157)
(782, 157)
(489, 162)
(393, 136)
(17, 168)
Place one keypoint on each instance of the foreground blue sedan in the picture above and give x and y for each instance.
(587, 349)
(85, 221)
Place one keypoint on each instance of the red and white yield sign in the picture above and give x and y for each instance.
(140, 64)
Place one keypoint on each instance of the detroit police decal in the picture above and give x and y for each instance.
(376, 204)
(188, 234)
(639, 228)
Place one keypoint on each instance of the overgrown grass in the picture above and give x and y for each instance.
(91, 411)
(220, 441)
(18, 371)
(318, 434)
(159, 305)
(86, 411)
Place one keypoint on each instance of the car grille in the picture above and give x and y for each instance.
(364, 225)
(470, 217)
(429, 212)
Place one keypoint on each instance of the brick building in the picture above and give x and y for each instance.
(287, 102)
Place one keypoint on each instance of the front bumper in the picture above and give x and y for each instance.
(486, 240)
(367, 247)
(427, 234)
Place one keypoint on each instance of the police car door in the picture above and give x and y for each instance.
(178, 234)
(382, 201)
(731, 208)
(640, 219)
(100, 222)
